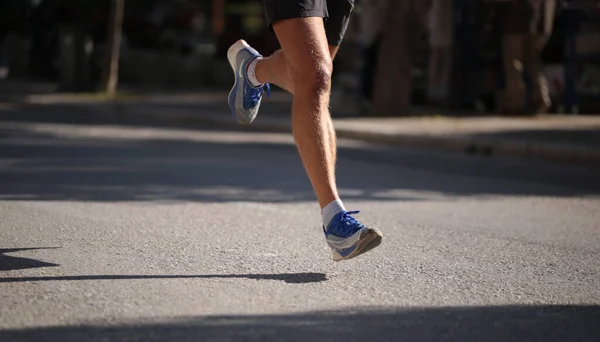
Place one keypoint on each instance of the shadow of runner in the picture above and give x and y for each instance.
(490, 323)
(292, 278)
(10, 263)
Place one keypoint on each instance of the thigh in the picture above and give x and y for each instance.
(278, 10)
(338, 19)
(335, 25)
(304, 43)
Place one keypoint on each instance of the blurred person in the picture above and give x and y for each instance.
(441, 31)
(3, 59)
(526, 26)
(370, 34)
(310, 33)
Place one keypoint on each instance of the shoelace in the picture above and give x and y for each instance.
(254, 94)
(347, 217)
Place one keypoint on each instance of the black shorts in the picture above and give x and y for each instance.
(336, 14)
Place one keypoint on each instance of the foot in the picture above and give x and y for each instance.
(348, 238)
(244, 99)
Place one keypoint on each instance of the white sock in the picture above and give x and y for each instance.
(331, 210)
(251, 72)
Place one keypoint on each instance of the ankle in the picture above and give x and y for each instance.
(251, 72)
(330, 210)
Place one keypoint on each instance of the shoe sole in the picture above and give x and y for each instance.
(372, 239)
(232, 53)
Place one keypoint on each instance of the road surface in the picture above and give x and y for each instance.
(131, 232)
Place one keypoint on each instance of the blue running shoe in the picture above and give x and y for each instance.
(244, 99)
(348, 238)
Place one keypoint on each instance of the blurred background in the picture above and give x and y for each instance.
(514, 57)
(133, 206)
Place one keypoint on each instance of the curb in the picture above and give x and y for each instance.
(567, 154)
(485, 147)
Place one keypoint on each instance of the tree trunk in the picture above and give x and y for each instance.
(393, 82)
(113, 45)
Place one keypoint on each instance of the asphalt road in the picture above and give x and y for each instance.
(137, 233)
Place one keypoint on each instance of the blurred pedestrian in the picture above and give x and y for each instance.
(3, 58)
(526, 26)
(371, 23)
(441, 31)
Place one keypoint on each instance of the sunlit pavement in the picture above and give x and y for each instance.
(130, 232)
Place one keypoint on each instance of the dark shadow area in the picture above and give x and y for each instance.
(583, 136)
(11, 263)
(546, 323)
(38, 165)
(290, 278)
(118, 113)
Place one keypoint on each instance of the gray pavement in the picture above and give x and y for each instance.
(570, 139)
(115, 229)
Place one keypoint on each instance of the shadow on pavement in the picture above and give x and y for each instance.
(547, 323)
(583, 136)
(290, 278)
(11, 263)
(217, 167)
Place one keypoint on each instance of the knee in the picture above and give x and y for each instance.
(315, 78)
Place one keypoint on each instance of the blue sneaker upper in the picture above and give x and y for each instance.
(253, 95)
(343, 224)
(244, 99)
(343, 232)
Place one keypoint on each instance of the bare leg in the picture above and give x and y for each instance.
(274, 69)
(304, 67)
